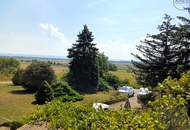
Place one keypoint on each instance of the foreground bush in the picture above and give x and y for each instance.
(164, 114)
(35, 74)
(58, 90)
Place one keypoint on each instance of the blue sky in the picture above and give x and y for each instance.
(49, 27)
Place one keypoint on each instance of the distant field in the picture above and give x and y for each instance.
(127, 75)
(14, 102)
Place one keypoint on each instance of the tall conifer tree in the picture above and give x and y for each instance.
(84, 70)
(157, 59)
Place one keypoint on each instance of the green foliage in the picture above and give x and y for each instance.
(112, 67)
(17, 78)
(164, 114)
(8, 65)
(84, 68)
(45, 93)
(164, 54)
(173, 114)
(35, 74)
(103, 85)
(59, 91)
(65, 93)
(176, 88)
(144, 99)
(103, 64)
(112, 80)
(124, 82)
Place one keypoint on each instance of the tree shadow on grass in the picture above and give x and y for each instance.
(20, 92)
(36, 103)
(11, 125)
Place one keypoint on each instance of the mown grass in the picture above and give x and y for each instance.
(14, 103)
(130, 77)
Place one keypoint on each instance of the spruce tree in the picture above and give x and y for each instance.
(84, 71)
(157, 58)
(182, 45)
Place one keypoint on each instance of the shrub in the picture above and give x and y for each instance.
(103, 85)
(124, 82)
(112, 67)
(35, 74)
(65, 93)
(45, 93)
(144, 99)
(59, 91)
(17, 79)
(112, 80)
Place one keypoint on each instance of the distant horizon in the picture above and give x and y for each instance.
(48, 56)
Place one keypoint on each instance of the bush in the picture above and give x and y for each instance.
(144, 99)
(124, 82)
(17, 79)
(167, 113)
(112, 67)
(45, 93)
(59, 91)
(103, 85)
(35, 74)
(112, 80)
(65, 93)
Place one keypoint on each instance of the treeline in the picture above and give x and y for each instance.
(8, 66)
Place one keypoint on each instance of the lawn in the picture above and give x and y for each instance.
(14, 103)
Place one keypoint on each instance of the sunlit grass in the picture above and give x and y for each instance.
(14, 103)
(130, 77)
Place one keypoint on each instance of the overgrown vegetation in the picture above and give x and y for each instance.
(166, 113)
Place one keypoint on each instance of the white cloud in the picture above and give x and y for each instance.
(52, 31)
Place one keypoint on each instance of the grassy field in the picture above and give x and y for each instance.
(130, 77)
(14, 103)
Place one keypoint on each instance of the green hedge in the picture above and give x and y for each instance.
(164, 114)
